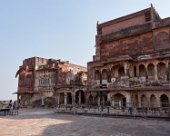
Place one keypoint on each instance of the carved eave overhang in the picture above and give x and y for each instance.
(110, 60)
(153, 56)
(45, 69)
(44, 91)
(26, 92)
(117, 59)
(96, 64)
(155, 88)
(69, 86)
(157, 55)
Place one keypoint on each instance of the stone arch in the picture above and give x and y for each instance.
(104, 74)
(61, 96)
(150, 72)
(164, 100)
(135, 100)
(134, 71)
(144, 102)
(153, 101)
(80, 97)
(121, 71)
(161, 71)
(113, 72)
(97, 75)
(69, 98)
(119, 100)
(142, 71)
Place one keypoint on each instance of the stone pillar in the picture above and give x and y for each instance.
(65, 98)
(156, 72)
(58, 98)
(137, 71)
(125, 69)
(73, 98)
(100, 77)
(42, 101)
(128, 100)
(159, 101)
(108, 97)
(139, 100)
(148, 101)
(79, 97)
(98, 102)
(167, 72)
(146, 73)
(112, 102)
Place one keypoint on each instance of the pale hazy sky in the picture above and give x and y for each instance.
(59, 29)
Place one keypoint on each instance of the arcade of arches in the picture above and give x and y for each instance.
(156, 70)
(77, 97)
(116, 99)
(152, 73)
(128, 99)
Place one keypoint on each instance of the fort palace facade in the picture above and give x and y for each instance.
(130, 68)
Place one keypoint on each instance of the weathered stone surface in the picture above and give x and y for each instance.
(43, 122)
(136, 46)
(40, 78)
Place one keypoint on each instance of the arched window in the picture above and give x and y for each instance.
(164, 101)
(119, 100)
(104, 75)
(161, 71)
(69, 98)
(150, 70)
(144, 102)
(153, 102)
(61, 98)
(97, 75)
(142, 71)
(80, 97)
(113, 72)
(121, 72)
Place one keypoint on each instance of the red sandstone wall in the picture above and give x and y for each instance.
(124, 24)
(130, 46)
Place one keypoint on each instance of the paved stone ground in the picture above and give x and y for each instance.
(44, 122)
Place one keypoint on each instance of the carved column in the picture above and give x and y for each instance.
(167, 71)
(159, 101)
(137, 71)
(156, 71)
(98, 102)
(125, 69)
(128, 100)
(100, 77)
(65, 98)
(139, 100)
(73, 98)
(58, 98)
(146, 71)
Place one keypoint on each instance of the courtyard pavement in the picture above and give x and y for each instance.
(44, 122)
